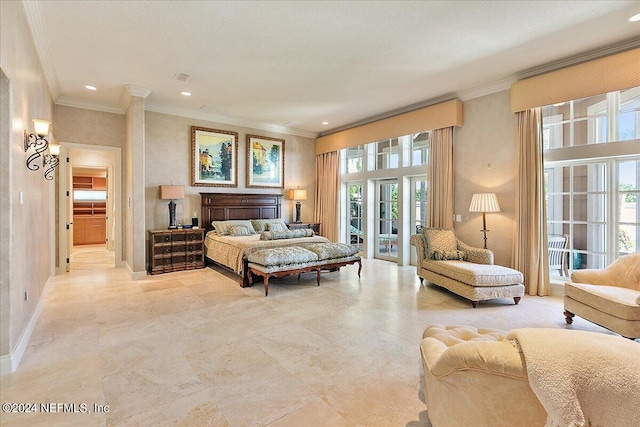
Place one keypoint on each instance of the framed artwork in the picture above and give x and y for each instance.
(214, 157)
(265, 163)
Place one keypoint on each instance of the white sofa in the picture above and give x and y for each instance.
(467, 271)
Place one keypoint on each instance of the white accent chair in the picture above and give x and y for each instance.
(608, 297)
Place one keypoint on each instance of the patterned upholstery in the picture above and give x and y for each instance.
(475, 274)
(331, 250)
(439, 239)
(282, 256)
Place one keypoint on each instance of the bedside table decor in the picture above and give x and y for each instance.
(171, 193)
(298, 195)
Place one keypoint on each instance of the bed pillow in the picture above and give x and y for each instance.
(276, 226)
(239, 230)
(288, 234)
(260, 225)
(223, 228)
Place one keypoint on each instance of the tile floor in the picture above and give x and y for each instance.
(195, 349)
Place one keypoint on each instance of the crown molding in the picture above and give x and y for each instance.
(580, 58)
(89, 105)
(487, 89)
(34, 19)
(159, 108)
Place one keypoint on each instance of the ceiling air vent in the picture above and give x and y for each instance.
(181, 77)
(208, 108)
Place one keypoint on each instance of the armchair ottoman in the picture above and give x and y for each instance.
(475, 378)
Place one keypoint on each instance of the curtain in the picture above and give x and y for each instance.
(440, 179)
(530, 250)
(327, 194)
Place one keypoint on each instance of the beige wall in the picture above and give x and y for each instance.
(82, 126)
(168, 161)
(485, 162)
(26, 257)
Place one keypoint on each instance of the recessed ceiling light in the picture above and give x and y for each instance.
(91, 87)
(635, 18)
(185, 93)
(325, 123)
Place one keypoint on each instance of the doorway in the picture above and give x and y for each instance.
(89, 208)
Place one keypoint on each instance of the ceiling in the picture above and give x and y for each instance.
(289, 66)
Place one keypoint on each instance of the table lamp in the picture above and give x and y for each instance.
(171, 193)
(298, 195)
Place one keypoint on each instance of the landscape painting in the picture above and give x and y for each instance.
(265, 162)
(214, 157)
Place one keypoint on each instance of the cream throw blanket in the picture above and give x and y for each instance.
(582, 378)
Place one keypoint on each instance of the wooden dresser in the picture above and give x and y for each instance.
(175, 250)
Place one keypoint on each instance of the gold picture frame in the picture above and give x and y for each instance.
(214, 157)
(265, 162)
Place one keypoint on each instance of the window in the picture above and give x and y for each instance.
(592, 192)
(353, 159)
(387, 219)
(356, 216)
(380, 180)
(387, 154)
(420, 148)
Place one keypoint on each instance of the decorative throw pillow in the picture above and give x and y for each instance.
(223, 228)
(260, 225)
(239, 230)
(449, 255)
(276, 226)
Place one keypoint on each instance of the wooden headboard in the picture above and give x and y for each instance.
(225, 206)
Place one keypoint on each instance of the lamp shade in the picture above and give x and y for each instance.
(298, 194)
(484, 202)
(171, 192)
(41, 127)
(54, 149)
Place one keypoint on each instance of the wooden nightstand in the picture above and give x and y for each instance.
(302, 225)
(175, 250)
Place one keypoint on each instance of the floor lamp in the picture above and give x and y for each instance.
(484, 202)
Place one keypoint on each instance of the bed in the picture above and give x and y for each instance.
(231, 251)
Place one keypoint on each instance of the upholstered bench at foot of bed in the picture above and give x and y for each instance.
(288, 260)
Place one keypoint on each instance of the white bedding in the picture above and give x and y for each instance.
(230, 250)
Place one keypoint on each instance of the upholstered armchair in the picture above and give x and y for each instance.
(609, 297)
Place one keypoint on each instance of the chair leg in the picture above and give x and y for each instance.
(568, 316)
(266, 286)
(474, 304)
(516, 299)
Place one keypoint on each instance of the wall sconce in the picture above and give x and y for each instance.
(38, 142)
(52, 159)
(171, 192)
(298, 195)
(484, 202)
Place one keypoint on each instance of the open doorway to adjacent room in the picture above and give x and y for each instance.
(89, 208)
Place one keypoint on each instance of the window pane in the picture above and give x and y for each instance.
(629, 115)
